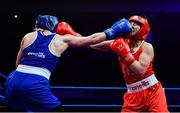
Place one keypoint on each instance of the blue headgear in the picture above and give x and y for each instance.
(47, 22)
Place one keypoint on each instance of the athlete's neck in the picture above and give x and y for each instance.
(134, 45)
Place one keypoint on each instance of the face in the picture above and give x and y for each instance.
(136, 27)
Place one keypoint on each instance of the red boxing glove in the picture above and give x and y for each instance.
(121, 47)
(64, 28)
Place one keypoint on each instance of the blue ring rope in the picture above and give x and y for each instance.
(3, 76)
(94, 88)
(101, 88)
(91, 105)
(105, 105)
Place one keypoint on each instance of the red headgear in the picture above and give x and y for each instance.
(145, 28)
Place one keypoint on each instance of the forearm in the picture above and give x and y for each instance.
(97, 38)
(88, 40)
(102, 46)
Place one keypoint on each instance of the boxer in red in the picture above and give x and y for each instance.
(144, 92)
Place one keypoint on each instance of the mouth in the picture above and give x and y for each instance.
(133, 29)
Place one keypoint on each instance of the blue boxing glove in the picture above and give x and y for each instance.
(120, 27)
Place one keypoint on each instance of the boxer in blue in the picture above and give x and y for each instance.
(28, 88)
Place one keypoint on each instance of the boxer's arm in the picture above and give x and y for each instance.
(85, 40)
(102, 46)
(140, 66)
(19, 54)
(121, 47)
(25, 42)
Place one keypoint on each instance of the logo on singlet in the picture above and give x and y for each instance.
(40, 54)
(141, 85)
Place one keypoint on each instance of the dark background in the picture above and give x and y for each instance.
(86, 67)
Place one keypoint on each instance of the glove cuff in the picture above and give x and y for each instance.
(128, 59)
(109, 34)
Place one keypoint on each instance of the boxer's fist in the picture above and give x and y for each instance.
(121, 27)
(121, 47)
(64, 28)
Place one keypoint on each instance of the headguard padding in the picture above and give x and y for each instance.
(47, 22)
(145, 28)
